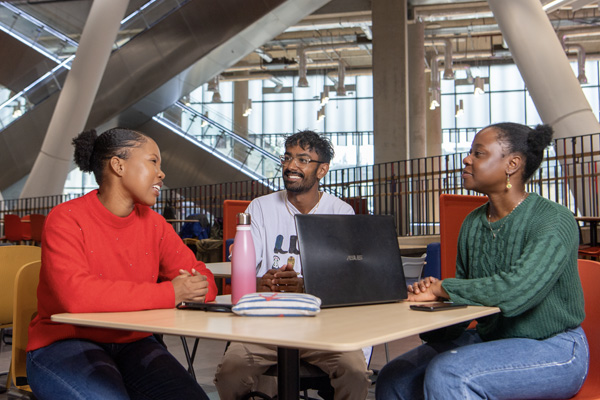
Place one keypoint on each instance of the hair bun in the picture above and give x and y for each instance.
(84, 149)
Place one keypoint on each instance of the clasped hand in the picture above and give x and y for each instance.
(284, 279)
(190, 287)
(427, 289)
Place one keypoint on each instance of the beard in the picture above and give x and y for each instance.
(304, 184)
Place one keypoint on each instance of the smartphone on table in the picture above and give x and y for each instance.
(437, 306)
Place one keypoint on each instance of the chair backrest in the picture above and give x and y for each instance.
(13, 228)
(413, 268)
(453, 210)
(11, 259)
(25, 308)
(589, 273)
(231, 208)
(36, 222)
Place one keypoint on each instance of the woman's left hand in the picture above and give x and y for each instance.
(428, 289)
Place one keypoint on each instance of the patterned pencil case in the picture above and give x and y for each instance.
(269, 304)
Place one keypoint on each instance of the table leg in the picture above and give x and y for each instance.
(288, 373)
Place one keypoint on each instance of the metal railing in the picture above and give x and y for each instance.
(61, 49)
(409, 189)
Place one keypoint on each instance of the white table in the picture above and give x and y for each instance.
(220, 269)
(334, 329)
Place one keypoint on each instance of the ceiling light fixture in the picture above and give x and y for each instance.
(321, 114)
(302, 81)
(341, 88)
(248, 108)
(479, 85)
(216, 97)
(435, 99)
(324, 96)
(460, 109)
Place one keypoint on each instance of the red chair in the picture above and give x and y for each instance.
(453, 210)
(13, 229)
(589, 273)
(32, 228)
(231, 208)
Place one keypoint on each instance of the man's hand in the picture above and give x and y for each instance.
(284, 279)
(190, 287)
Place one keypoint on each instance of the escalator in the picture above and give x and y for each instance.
(156, 68)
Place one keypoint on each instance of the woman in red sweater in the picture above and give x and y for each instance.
(108, 251)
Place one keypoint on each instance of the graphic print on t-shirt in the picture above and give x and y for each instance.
(278, 249)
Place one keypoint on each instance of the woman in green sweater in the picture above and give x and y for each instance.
(517, 252)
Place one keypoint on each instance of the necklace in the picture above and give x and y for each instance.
(314, 209)
(489, 216)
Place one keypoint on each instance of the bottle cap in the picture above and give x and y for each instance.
(243, 219)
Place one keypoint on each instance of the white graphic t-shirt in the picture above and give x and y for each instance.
(274, 229)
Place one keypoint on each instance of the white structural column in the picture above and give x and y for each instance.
(390, 78)
(544, 67)
(76, 98)
(417, 91)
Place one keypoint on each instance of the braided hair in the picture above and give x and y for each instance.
(92, 152)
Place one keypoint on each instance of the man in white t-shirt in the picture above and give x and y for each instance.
(278, 269)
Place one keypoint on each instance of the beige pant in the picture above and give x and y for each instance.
(244, 363)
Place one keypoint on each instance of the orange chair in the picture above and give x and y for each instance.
(13, 229)
(231, 208)
(589, 273)
(453, 210)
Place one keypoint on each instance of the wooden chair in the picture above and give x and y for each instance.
(13, 229)
(453, 210)
(589, 273)
(24, 309)
(12, 258)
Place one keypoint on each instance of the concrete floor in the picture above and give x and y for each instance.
(210, 352)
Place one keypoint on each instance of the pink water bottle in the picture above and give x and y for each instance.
(243, 260)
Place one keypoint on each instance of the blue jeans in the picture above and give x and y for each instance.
(468, 368)
(82, 369)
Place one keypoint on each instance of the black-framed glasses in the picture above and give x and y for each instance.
(301, 161)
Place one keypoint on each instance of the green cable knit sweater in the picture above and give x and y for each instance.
(529, 270)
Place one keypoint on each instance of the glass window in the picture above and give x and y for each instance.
(591, 93)
(364, 115)
(533, 118)
(476, 112)
(278, 117)
(305, 115)
(505, 77)
(341, 115)
(255, 120)
(507, 107)
(364, 86)
(448, 111)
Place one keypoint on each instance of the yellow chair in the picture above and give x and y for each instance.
(12, 258)
(25, 308)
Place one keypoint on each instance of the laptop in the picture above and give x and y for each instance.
(350, 260)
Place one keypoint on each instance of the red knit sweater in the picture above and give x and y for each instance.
(94, 261)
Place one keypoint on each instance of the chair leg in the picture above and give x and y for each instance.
(186, 350)
(387, 353)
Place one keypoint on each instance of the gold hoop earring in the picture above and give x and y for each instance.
(508, 185)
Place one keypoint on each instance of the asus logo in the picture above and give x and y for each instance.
(354, 257)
